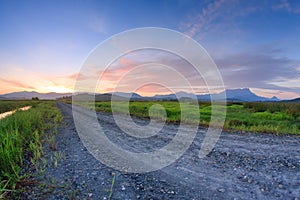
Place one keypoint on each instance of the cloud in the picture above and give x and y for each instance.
(140, 67)
(286, 6)
(151, 89)
(264, 67)
(223, 16)
(278, 93)
(37, 82)
(117, 70)
(218, 16)
(260, 69)
(77, 76)
(287, 82)
(14, 84)
(203, 19)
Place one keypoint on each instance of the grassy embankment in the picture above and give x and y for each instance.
(21, 138)
(264, 117)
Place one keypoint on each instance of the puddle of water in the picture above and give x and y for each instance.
(3, 115)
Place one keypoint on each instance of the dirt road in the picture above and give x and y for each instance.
(248, 166)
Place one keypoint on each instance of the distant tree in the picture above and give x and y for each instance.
(35, 98)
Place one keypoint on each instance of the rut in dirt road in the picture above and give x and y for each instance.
(249, 166)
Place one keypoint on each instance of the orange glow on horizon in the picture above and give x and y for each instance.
(65, 84)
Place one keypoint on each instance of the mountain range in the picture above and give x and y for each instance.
(29, 95)
(244, 95)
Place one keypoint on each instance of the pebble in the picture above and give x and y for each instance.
(122, 187)
(151, 189)
(90, 195)
(221, 190)
(280, 186)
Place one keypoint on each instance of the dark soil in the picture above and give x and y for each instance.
(241, 166)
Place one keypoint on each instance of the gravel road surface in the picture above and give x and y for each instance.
(241, 166)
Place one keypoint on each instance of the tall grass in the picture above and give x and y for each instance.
(7, 105)
(20, 136)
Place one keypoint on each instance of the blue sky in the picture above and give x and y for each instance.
(255, 44)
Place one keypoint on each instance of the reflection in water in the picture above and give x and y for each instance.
(3, 115)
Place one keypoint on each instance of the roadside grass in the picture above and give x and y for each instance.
(112, 186)
(263, 117)
(20, 139)
(7, 105)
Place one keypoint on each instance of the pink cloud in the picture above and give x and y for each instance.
(151, 89)
(14, 84)
(77, 76)
(118, 69)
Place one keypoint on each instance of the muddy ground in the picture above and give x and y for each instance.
(241, 166)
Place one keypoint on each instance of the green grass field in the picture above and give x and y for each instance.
(263, 117)
(20, 137)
